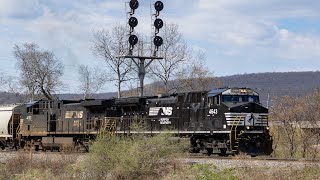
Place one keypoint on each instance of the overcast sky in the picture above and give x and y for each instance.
(238, 36)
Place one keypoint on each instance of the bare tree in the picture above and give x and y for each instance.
(297, 119)
(40, 70)
(285, 111)
(15, 87)
(2, 80)
(309, 124)
(109, 46)
(196, 76)
(91, 80)
(174, 51)
(11, 84)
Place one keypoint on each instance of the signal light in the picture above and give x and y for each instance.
(134, 4)
(133, 40)
(157, 41)
(158, 23)
(133, 22)
(158, 6)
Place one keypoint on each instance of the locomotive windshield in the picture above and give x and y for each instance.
(240, 98)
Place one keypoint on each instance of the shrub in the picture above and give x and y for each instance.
(202, 172)
(134, 157)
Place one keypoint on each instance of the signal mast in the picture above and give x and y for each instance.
(142, 62)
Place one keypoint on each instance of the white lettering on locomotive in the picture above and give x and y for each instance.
(163, 111)
(213, 111)
(164, 121)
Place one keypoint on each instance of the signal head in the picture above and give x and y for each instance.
(134, 4)
(158, 23)
(133, 40)
(157, 41)
(133, 22)
(158, 6)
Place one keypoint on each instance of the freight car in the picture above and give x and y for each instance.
(223, 121)
(7, 123)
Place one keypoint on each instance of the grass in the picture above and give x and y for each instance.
(138, 157)
(24, 166)
(135, 157)
(202, 172)
(309, 173)
(212, 172)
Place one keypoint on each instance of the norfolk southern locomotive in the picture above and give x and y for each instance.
(223, 121)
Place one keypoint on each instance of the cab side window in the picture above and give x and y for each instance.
(210, 101)
(214, 100)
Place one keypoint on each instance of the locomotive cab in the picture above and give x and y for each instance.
(237, 106)
(242, 122)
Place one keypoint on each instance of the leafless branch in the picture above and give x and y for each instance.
(174, 51)
(40, 70)
(109, 46)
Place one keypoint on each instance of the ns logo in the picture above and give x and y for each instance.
(162, 111)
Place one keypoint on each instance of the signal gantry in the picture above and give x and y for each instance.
(142, 62)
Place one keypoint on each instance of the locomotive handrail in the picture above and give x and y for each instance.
(235, 129)
(234, 123)
(17, 131)
(108, 127)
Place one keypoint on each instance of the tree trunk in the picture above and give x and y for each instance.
(119, 89)
(46, 94)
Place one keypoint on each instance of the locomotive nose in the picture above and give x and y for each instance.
(249, 108)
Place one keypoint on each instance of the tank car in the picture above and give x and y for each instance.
(8, 123)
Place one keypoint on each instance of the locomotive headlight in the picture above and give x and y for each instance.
(248, 127)
(267, 128)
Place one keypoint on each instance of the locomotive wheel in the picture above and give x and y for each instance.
(223, 152)
(2, 146)
(195, 150)
(209, 151)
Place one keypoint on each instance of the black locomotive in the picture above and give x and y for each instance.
(223, 121)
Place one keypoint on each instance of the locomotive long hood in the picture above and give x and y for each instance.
(246, 107)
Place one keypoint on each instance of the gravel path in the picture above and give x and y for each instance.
(252, 163)
(220, 163)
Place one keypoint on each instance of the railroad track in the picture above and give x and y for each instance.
(191, 155)
(219, 162)
(247, 157)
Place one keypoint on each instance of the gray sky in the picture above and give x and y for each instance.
(238, 36)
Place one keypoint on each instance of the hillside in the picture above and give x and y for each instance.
(275, 84)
